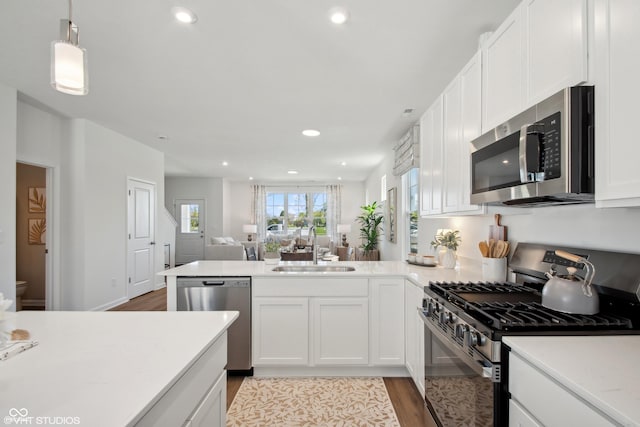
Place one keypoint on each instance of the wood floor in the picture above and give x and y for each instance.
(407, 402)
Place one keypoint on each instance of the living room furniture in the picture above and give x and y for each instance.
(225, 252)
(296, 256)
(345, 253)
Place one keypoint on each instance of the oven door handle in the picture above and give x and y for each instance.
(481, 367)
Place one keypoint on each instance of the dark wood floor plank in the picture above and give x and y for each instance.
(407, 402)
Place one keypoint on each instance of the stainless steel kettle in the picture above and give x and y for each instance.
(570, 293)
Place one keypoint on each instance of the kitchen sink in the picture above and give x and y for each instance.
(313, 268)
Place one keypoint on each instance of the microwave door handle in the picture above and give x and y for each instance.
(529, 152)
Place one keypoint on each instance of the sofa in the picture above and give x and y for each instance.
(225, 249)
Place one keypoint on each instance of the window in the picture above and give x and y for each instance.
(190, 218)
(288, 212)
(411, 180)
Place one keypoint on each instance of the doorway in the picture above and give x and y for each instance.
(190, 234)
(33, 218)
(141, 214)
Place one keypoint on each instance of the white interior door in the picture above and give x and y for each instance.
(141, 229)
(190, 233)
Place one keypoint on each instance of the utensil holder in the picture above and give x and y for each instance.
(494, 269)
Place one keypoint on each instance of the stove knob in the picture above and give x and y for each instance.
(430, 308)
(437, 308)
(443, 317)
(460, 330)
(476, 338)
(451, 317)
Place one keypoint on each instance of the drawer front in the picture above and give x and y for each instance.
(547, 401)
(310, 287)
(178, 403)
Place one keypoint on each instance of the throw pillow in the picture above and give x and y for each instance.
(219, 241)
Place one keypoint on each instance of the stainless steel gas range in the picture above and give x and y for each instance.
(466, 369)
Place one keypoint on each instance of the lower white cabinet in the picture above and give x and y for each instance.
(199, 397)
(387, 321)
(280, 331)
(414, 341)
(340, 331)
(540, 399)
(328, 321)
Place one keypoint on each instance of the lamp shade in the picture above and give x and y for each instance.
(69, 68)
(344, 228)
(249, 228)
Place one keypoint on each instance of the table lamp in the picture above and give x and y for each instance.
(344, 229)
(251, 229)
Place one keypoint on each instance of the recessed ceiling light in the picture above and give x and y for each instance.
(292, 172)
(343, 164)
(339, 15)
(225, 163)
(250, 178)
(339, 178)
(183, 14)
(311, 132)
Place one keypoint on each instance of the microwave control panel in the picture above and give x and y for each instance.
(550, 146)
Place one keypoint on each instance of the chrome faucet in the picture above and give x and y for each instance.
(314, 249)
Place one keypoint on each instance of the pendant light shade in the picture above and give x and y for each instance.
(69, 70)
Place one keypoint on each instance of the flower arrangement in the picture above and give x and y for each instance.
(448, 239)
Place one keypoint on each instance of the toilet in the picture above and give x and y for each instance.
(21, 288)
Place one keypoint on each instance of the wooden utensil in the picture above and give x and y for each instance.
(484, 249)
(492, 248)
(497, 231)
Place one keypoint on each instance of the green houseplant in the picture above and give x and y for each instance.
(370, 220)
(271, 251)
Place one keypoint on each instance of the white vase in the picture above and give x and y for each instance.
(449, 259)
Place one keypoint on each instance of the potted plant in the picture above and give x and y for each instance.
(271, 252)
(370, 220)
(450, 240)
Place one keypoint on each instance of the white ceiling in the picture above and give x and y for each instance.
(243, 82)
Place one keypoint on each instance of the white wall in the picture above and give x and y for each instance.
(579, 226)
(91, 165)
(8, 114)
(208, 189)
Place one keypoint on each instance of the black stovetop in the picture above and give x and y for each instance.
(506, 306)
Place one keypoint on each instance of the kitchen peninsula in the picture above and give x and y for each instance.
(118, 369)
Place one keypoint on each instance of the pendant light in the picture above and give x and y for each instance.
(69, 70)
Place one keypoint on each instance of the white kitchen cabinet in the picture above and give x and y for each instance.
(213, 408)
(503, 88)
(431, 160)
(461, 124)
(617, 61)
(280, 329)
(387, 321)
(414, 338)
(542, 398)
(340, 331)
(538, 50)
(556, 49)
(519, 417)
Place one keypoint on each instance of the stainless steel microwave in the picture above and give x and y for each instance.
(543, 156)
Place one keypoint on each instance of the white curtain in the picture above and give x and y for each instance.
(258, 208)
(334, 210)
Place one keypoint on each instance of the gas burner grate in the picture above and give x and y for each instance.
(480, 287)
(533, 315)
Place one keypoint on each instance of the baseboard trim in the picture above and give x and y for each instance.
(107, 306)
(341, 371)
(35, 303)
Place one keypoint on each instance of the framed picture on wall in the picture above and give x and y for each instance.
(391, 228)
(37, 200)
(37, 231)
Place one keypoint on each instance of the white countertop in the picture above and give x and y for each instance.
(106, 368)
(468, 270)
(603, 370)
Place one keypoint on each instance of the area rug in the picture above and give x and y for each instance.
(323, 402)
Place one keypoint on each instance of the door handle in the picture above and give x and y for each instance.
(529, 151)
(152, 243)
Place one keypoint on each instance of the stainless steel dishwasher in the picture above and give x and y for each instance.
(223, 293)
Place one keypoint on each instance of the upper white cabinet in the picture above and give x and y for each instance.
(617, 61)
(556, 52)
(538, 50)
(431, 160)
(503, 74)
(462, 103)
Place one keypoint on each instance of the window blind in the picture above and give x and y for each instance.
(407, 151)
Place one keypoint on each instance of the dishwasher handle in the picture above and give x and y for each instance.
(213, 282)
